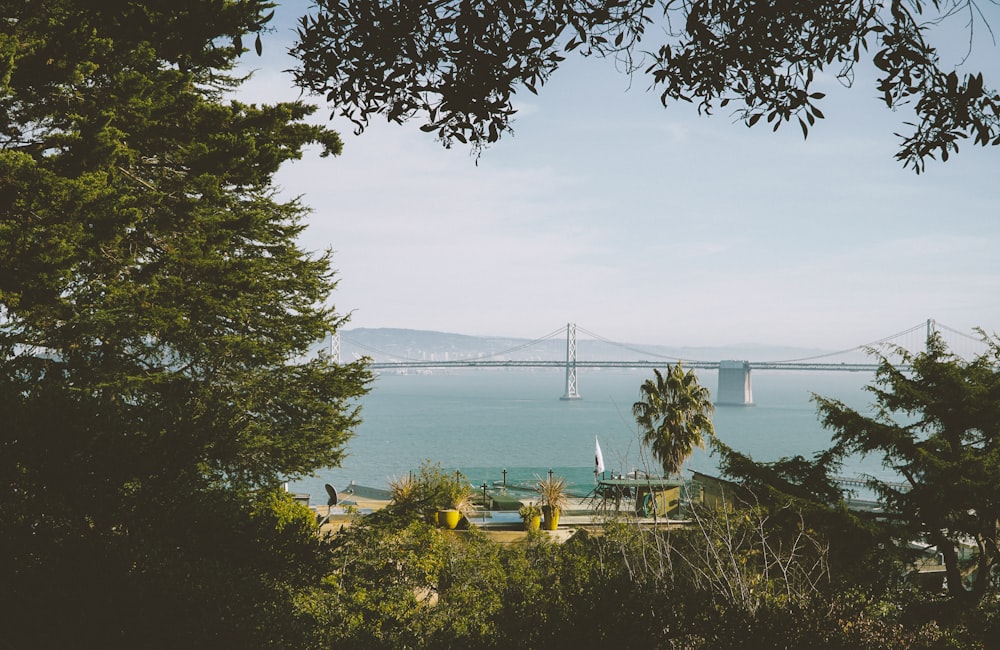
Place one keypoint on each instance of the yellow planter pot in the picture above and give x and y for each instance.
(551, 518)
(533, 523)
(449, 518)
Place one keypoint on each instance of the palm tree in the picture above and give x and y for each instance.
(674, 412)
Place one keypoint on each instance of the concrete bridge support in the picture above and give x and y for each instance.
(735, 388)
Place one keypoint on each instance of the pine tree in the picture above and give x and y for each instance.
(155, 314)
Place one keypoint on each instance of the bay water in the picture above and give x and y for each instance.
(483, 421)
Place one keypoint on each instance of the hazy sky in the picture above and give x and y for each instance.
(653, 225)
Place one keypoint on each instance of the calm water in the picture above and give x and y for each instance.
(482, 421)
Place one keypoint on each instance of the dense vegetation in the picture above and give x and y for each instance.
(155, 312)
(155, 309)
(756, 577)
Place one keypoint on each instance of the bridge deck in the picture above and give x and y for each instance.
(700, 365)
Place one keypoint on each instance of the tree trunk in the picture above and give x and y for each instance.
(955, 587)
(984, 565)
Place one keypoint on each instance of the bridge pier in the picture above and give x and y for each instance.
(735, 388)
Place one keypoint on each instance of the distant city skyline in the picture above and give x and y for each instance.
(649, 224)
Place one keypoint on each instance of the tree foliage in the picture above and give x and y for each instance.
(936, 427)
(155, 308)
(674, 413)
(798, 491)
(456, 64)
(733, 579)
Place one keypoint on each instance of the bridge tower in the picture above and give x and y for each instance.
(571, 390)
(334, 351)
(735, 388)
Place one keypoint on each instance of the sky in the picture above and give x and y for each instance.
(652, 225)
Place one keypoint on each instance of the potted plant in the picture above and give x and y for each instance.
(404, 489)
(459, 502)
(432, 491)
(554, 499)
(531, 515)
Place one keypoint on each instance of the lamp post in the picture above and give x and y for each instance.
(505, 480)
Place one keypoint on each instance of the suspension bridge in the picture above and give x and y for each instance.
(734, 376)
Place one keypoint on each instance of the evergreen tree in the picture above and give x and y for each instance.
(937, 425)
(155, 315)
(934, 426)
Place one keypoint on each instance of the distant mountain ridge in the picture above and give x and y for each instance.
(397, 344)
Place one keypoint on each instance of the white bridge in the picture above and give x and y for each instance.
(734, 388)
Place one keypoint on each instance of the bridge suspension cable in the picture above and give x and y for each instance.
(975, 339)
(516, 348)
(648, 355)
(857, 348)
(624, 346)
(376, 350)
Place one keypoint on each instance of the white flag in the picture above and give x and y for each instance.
(598, 457)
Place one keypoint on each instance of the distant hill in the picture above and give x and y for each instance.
(391, 344)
